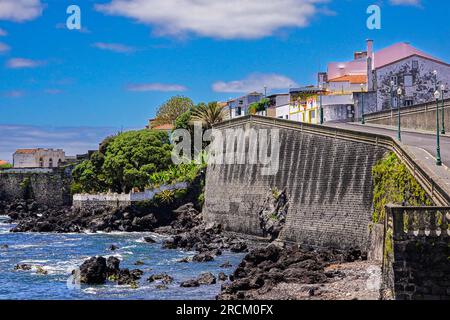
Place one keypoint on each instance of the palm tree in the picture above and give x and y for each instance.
(208, 115)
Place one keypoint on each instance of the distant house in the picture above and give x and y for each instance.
(38, 158)
(239, 107)
(279, 106)
(168, 127)
(304, 104)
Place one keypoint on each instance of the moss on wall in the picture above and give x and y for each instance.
(394, 184)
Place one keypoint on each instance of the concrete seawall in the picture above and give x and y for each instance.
(328, 183)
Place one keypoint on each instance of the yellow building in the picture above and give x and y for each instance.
(305, 105)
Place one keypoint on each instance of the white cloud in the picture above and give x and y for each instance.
(15, 94)
(53, 91)
(405, 2)
(225, 19)
(20, 10)
(4, 47)
(115, 47)
(144, 87)
(74, 140)
(20, 63)
(255, 82)
(3, 32)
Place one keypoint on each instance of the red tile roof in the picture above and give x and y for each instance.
(26, 151)
(2, 162)
(353, 79)
(164, 127)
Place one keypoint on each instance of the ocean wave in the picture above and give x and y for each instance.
(24, 246)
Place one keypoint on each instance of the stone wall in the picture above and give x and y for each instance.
(416, 264)
(421, 269)
(115, 200)
(420, 117)
(328, 183)
(49, 187)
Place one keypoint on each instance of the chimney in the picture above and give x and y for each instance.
(370, 64)
(369, 48)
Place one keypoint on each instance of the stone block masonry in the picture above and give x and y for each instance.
(49, 187)
(416, 264)
(328, 184)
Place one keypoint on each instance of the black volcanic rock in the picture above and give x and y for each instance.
(93, 271)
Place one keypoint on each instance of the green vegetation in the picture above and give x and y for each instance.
(27, 189)
(172, 109)
(258, 106)
(394, 184)
(208, 114)
(6, 166)
(125, 161)
(174, 174)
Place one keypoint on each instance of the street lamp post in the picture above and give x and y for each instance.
(265, 99)
(442, 106)
(391, 92)
(320, 102)
(438, 148)
(399, 93)
(363, 120)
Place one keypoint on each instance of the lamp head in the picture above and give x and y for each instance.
(437, 95)
(435, 72)
(399, 91)
(442, 87)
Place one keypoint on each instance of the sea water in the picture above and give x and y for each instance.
(59, 254)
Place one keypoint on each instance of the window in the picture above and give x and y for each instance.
(287, 117)
(50, 163)
(395, 80)
(41, 162)
(415, 64)
(238, 111)
(408, 80)
(408, 102)
(313, 114)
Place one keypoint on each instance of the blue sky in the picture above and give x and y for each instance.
(132, 55)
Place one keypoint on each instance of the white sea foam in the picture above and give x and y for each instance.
(24, 246)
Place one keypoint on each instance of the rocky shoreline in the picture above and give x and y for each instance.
(264, 270)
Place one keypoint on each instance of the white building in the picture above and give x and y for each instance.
(38, 158)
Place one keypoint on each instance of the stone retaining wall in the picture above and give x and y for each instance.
(328, 183)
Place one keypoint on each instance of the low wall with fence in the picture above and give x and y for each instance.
(116, 200)
(416, 263)
(418, 117)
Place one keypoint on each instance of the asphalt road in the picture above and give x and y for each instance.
(423, 141)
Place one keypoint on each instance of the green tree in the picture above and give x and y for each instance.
(208, 114)
(126, 163)
(169, 111)
(258, 106)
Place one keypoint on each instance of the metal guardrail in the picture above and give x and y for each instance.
(434, 190)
